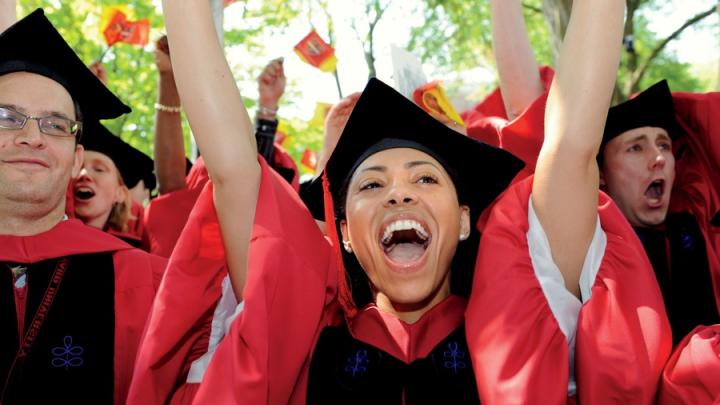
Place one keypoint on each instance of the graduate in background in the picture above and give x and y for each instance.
(639, 171)
(377, 313)
(140, 185)
(74, 299)
(101, 195)
(659, 161)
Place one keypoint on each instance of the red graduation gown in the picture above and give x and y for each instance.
(137, 275)
(494, 106)
(166, 215)
(697, 180)
(289, 248)
(693, 373)
(623, 335)
(523, 136)
(136, 224)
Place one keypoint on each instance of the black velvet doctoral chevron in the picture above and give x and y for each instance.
(72, 359)
(679, 257)
(346, 371)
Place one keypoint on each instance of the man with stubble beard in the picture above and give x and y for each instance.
(638, 165)
(73, 299)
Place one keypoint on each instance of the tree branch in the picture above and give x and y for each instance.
(370, 38)
(660, 46)
(532, 8)
(380, 10)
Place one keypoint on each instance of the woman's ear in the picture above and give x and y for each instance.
(121, 194)
(345, 236)
(464, 222)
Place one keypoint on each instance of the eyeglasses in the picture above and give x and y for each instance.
(50, 125)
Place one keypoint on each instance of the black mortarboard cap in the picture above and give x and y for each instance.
(34, 45)
(384, 119)
(132, 164)
(653, 107)
(148, 176)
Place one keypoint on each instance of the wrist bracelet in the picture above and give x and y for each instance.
(267, 110)
(167, 108)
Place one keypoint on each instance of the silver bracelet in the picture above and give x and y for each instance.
(267, 110)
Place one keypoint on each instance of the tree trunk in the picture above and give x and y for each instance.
(218, 8)
(370, 55)
(557, 15)
(375, 9)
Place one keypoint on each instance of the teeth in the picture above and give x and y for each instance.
(404, 225)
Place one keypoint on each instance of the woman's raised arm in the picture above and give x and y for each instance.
(8, 14)
(520, 81)
(220, 123)
(565, 188)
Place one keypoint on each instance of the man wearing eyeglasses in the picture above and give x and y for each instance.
(73, 299)
(38, 154)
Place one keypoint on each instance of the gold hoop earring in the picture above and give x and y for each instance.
(346, 245)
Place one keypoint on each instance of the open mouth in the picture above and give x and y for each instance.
(84, 193)
(655, 191)
(405, 241)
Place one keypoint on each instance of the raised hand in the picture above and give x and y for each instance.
(162, 56)
(335, 123)
(98, 70)
(271, 86)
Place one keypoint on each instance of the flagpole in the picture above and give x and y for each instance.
(104, 52)
(337, 83)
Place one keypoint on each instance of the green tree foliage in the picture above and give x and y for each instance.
(457, 34)
(130, 69)
(650, 57)
(664, 66)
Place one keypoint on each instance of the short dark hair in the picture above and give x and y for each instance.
(78, 117)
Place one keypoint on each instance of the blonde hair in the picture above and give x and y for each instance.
(121, 212)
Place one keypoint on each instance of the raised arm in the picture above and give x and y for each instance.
(271, 86)
(565, 189)
(220, 124)
(169, 145)
(520, 81)
(8, 13)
